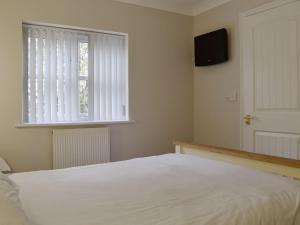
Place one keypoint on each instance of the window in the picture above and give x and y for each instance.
(74, 75)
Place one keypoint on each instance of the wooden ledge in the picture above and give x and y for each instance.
(241, 154)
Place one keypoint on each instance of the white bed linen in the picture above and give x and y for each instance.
(162, 190)
(11, 212)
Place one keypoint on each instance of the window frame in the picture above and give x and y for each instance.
(82, 121)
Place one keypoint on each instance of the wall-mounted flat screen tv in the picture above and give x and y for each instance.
(211, 48)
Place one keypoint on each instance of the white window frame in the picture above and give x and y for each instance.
(85, 121)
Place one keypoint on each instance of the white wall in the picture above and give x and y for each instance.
(216, 120)
(160, 76)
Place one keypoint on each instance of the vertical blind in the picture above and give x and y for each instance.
(109, 79)
(51, 78)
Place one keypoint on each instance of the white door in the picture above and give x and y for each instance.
(271, 81)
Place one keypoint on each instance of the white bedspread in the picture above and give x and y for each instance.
(163, 190)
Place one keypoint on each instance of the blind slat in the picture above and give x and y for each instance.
(53, 76)
(40, 83)
(67, 77)
(32, 76)
(47, 92)
(102, 62)
(60, 80)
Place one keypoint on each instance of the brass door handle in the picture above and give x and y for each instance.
(248, 119)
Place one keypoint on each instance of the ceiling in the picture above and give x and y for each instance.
(186, 7)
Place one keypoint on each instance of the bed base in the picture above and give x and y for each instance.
(280, 166)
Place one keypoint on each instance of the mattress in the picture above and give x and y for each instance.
(170, 189)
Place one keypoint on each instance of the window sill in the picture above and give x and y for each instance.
(64, 124)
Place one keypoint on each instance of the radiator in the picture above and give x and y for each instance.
(78, 147)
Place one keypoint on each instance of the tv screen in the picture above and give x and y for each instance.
(211, 48)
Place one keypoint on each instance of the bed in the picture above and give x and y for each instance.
(171, 189)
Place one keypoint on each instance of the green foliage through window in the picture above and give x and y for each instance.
(83, 81)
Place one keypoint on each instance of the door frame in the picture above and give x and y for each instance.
(259, 9)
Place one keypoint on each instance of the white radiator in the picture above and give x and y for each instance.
(78, 147)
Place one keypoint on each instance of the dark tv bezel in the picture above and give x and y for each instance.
(209, 62)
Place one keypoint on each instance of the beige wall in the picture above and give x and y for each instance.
(160, 47)
(216, 120)
(160, 73)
